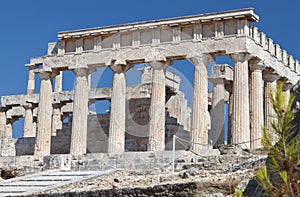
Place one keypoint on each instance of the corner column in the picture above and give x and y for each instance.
(80, 112)
(218, 112)
(240, 112)
(157, 107)
(116, 138)
(43, 135)
(200, 114)
(256, 102)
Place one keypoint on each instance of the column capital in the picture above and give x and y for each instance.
(287, 85)
(216, 81)
(28, 106)
(46, 74)
(160, 65)
(120, 68)
(270, 75)
(256, 64)
(83, 71)
(240, 57)
(202, 59)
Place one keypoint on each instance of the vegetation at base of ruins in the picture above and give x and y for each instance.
(281, 175)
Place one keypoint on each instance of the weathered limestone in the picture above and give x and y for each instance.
(200, 114)
(116, 139)
(29, 130)
(2, 121)
(240, 113)
(80, 113)
(43, 135)
(56, 119)
(31, 80)
(256, 102)
(157, 107)
(270, 78)
(217, 126)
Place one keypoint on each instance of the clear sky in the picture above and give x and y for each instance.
(27, 26)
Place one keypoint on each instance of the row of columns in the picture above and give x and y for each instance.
(250, 103)
(246, 102)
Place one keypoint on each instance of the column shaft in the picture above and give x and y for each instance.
(240, 115)
(218, 113)
(157, 108)
(56, 120)
(116, 139)
(28, 122)
(200, 114)
(257, 104)
(31, 81)
(80, 113)
(43, 135)
(58, 82)
(2, 122)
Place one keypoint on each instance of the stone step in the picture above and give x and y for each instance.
(32, 184)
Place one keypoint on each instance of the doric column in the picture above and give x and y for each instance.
(56, 118)
(256, 102)
(80, 113)
(200, 114)
(43, 135)
(116, 137)
(270, 79)
(58, 82)
(29, 130)
(157, 107)
(2, 121)
(31, 80)
(240, 112)
(218, 112)
(230, 109)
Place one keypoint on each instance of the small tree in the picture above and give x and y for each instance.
(281, 175)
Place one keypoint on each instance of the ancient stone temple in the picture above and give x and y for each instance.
(145, 117)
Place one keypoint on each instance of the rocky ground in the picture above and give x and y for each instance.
(190, 182)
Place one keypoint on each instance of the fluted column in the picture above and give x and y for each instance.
(80, 112)
(116, 138)
(240, 112)
(56, 118)
(43, 135)
(28, 124)
(157, 107)
(31, 80)
(256, 103)
(29, 130)
(200, 114)
(218, 111)
(2, 121)
(58, 82)
(270, 79)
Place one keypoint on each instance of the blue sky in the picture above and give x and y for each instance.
(27, 26)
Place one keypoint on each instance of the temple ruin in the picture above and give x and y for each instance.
(145, 117)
